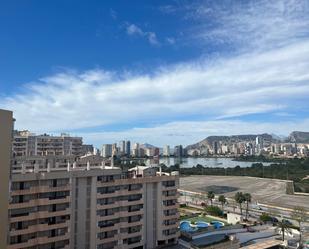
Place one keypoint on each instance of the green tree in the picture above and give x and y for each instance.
(214, 210)
(282, 227)
(247, 199)
(264, 217)
(222, 200)
(239, 198)
(300, 215)
(210, 196)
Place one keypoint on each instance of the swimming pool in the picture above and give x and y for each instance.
(217, 224)
(186, 225)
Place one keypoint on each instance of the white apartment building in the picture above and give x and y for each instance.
(107, 150)
(64, 202)
(166, 151)
(29, 144)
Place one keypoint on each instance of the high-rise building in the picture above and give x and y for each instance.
(178, 151)
(128, 148)
(6, 129)
(166, 151)
(87, 149)
(73, 204)
(122, 147)
(115, 150)
(136, 150)
(259, 144)
(215, 148)
(29, 144)
(107, 150)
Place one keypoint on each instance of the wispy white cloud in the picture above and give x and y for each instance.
(251, 83)
(133, 29)
(268, 74)
(171, 40)
(244, 25)
(113, 14)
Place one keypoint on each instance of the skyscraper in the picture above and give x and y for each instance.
(128, 148)
(166, 151)
(107, 150)
(122, 146)
(178, 151)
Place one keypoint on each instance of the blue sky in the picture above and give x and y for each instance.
(163, 72)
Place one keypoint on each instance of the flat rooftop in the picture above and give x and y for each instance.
(266, 191)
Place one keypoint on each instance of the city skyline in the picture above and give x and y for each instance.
(113, 72)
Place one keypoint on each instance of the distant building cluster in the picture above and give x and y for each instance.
(250, 148)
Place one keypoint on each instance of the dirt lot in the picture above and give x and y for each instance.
(267, 191)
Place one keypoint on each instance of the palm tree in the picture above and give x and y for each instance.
(282, 227)
(239, 198)
(222, 200)
(299, 214)
(247, 199)
(210, 196)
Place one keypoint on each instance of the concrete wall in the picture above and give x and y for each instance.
(6, 127)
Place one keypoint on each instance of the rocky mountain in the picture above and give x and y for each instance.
(209, 141)
(298, 137)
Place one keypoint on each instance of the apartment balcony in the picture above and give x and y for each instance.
(39, 202)
(123, 192)
(120, 225)
(171, 236)
(133, 245)
(39, 241)
(119, 204)
(175, 206)
(120, 214)
(131, 224)
(131, 235)
(170, 197)
(39, 228)
(170, 226)
(170, 217)
(139, 180)
(166, 188)
(40, 215)
(40, 189)
(107, 240)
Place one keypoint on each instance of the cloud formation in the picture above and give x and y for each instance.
(133, 29)
(266, 73)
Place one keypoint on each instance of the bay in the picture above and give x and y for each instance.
(187, 162)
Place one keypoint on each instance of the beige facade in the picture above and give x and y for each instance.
(6, 128)
(80, 206)
(28, 144)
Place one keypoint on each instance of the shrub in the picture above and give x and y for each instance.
(264, 217)
(214, 210)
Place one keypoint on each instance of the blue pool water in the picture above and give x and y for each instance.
(201, 224)
(217, 224)
(186, 225)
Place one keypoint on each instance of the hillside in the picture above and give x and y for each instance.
(208, 142)
(298, 137)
